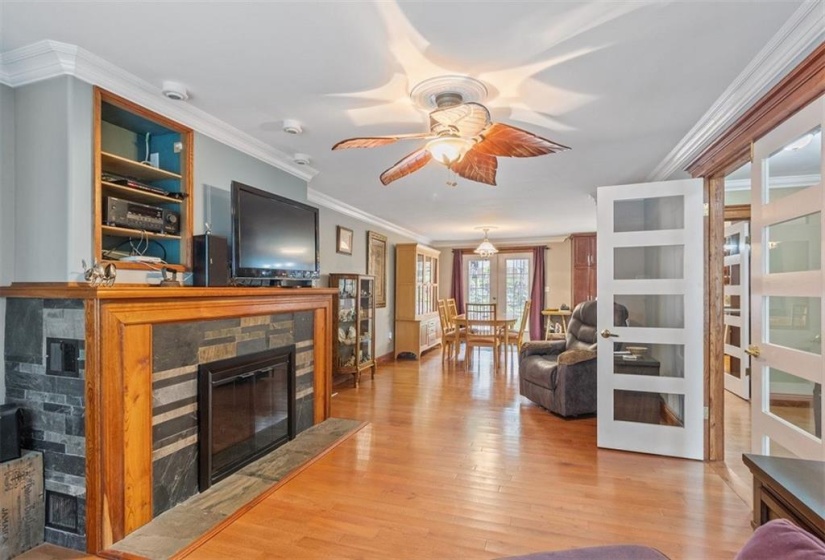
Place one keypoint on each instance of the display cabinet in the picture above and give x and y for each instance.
(143, 183)
(353, 325)
(583, 267)
(417, 327)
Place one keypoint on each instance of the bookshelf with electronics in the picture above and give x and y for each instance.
(143, 185)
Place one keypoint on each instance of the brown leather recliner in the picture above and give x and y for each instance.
(565, 389)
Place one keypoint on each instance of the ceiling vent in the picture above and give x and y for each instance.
(292, 126)
(175, 91)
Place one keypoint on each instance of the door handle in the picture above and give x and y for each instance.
(753, 351)
(607, 334)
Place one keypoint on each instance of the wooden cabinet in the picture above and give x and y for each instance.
(583, 281)
(353, 325)
(417, 327)
(143, 186)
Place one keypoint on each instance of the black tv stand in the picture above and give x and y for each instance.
(272, 282)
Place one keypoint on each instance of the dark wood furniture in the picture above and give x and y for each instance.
(583, 281)
(792, 489)
(637, 406)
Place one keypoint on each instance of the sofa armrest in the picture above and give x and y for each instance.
(542, 348)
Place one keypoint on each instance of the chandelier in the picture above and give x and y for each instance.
(485, 248)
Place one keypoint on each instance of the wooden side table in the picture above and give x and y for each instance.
(562, 315)
(792, 489)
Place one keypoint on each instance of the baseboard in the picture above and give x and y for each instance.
(385, 359)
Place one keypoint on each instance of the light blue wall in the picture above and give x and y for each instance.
(216, 166)
(6, 213)
(53, 180)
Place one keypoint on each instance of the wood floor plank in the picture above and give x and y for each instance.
(455, 464)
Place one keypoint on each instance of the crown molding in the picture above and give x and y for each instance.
(800, 35)
(776, 182)
(49, 59)
(504, 243)
(327, 201)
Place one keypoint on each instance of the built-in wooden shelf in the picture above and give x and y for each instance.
(126, 232)
(137, 194)
(134, 169)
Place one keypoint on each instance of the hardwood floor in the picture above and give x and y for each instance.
(455, 464)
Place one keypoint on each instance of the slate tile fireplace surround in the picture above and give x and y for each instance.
(108, 380)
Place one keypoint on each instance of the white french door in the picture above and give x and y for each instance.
(650, 254)
(737, 309)
(503, 278)
(787, 287)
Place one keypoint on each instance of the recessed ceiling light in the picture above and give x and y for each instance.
(301, 159)
(175, 91)
(292, 126)
(799, 143)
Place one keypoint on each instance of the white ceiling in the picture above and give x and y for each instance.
(619, 82)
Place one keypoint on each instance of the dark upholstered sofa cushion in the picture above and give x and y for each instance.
(782, 539)
(570, 357)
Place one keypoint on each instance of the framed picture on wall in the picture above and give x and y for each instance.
(343, 240)
(377, 265)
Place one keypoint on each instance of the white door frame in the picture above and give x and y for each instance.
(688, 440)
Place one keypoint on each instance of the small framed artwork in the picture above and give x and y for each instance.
(377, 265)
(344, 241)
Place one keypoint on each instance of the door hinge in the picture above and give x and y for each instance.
(706, 209)
(707, 412)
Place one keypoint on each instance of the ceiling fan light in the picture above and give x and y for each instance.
(448, 149)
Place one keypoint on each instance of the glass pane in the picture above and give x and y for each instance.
(795, 167)
(478, 281)
(657, 360)
(776, 450)
(517, 286)
(794, 246)
(794, 322)
(733, 366)
(662, 409)
(795, 400)
(732, 245)
(666, 262)
(733, 335)
(654, 311)
(738, 186)
(732, 275)
(649, 214)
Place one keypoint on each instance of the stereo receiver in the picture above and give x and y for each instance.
(134, 215)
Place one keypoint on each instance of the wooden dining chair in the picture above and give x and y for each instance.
(452, 309)
(447, 331)
(480, 334)
(515, 337)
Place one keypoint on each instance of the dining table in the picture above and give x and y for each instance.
(501, 324)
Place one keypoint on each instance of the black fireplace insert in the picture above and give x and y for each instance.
(246, 408)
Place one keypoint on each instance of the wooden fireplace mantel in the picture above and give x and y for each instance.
(119, 324)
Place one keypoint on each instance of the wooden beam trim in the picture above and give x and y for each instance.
(714, 320)
(802, 85)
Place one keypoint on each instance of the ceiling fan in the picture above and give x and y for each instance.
(463, 138)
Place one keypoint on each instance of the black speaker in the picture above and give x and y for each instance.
(11, 424)
(211, 255)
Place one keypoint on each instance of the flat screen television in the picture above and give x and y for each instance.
(272, 236)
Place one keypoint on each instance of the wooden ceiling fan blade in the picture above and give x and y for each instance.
(469, 119)
(408, 164)
(477, 166)
(375, 141)
(509, 141)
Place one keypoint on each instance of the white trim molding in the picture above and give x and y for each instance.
(776, 182)
(49, 59)
(327, 201)
(797, 38)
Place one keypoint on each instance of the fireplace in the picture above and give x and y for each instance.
(246, 408)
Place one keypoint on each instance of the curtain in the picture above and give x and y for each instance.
(457, 284)
(537, 294)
